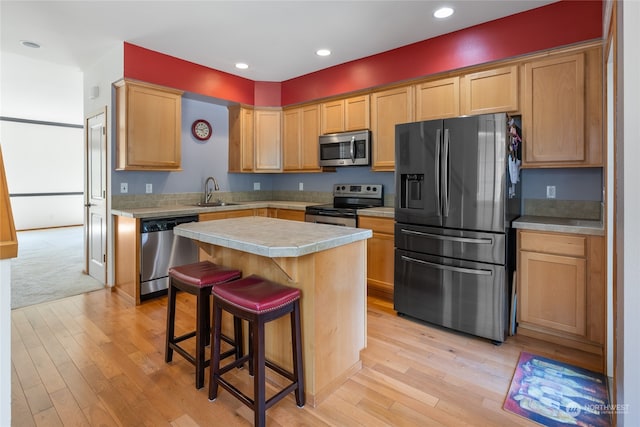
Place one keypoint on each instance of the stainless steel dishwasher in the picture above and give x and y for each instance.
(160, 250)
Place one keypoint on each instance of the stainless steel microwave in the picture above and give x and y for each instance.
(346, 149)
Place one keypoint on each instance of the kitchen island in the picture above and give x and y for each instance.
(327, 263)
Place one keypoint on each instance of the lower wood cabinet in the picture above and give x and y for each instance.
(561, 289)
(127, 257)
(380, 255)
(209, 216)
(291, 214)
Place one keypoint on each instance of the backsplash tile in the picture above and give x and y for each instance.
(135, 201)
(574, 209)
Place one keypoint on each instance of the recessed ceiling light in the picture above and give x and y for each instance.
(28, 43)
(323, 52)
(443, 12)
(242, 66)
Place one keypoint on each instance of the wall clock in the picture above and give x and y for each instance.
(201, 129)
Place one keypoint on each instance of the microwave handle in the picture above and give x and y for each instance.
(352, 149)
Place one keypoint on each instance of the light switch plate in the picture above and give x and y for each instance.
(124, 187)
(149, 188)
(256, 185)
(301, 186)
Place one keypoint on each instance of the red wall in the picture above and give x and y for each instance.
(538, 29)
(154, 67)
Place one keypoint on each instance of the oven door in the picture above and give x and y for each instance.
(331, 219)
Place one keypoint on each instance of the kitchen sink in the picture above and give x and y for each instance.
(214, 204)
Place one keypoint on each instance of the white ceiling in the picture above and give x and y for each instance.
(278, 39)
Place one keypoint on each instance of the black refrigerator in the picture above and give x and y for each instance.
(454, 244)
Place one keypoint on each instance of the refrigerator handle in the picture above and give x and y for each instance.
(478, 241)
(448, 267)
(445, 175)
(437, 172)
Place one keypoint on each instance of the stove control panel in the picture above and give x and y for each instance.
(358, 190)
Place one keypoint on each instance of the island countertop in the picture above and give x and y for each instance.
(271, 237)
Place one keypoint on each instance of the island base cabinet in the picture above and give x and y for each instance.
(561, 289)
(333, 311)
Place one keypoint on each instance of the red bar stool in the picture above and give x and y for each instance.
(258, 301)
(198, 279)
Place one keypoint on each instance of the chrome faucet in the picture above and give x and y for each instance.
(208, 193)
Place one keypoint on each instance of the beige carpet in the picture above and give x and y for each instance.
(49, 266)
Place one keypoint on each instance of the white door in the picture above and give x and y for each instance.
(95, 196)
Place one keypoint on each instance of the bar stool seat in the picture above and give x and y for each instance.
(258, 301)
(198, 279)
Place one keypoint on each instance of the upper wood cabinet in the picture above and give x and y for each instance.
(490, 91)
(300, 131)
(438, 99)
(268, 140)
(562, 110)
(240, 139)
(388, 108)
(148, 122)
(344, 115)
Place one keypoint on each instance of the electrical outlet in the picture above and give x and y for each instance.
(124, 187)
(256, 185)
(551, 191)
(301, 186)
(149, 188)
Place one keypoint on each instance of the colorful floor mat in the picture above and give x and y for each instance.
(553, 393)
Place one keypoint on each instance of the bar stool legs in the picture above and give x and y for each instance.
(258, 301)
(198, 279)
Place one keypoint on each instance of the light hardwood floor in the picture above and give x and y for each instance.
(96, 360)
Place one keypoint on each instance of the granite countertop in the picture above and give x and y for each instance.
(176, 210)
(271, 237)
(561, 225)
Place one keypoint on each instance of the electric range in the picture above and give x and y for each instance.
(347, 199)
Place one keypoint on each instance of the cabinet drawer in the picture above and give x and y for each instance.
(553, 243)
(379, 225)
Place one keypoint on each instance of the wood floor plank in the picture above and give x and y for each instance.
(48, 418)
(97, 360)
(67, 408)
(20, 411)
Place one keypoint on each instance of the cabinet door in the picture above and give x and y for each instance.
(268, 145)
(553, 291)
(554, 110)
(356, 113)
(380, 256)
(490, 91)
(300, 131)
(309, 133)
(438, 99)
(241, 139)
(149, 127)
(388, 108)
(332, 116)
(291, 139)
